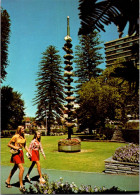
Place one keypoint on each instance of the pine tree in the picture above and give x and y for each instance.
(87, 58)
(49, 95)
(5, 33)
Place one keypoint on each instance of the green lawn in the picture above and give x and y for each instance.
(90, 159)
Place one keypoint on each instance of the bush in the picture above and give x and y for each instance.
(27, 131)
(128, 153)
(131, 136)
(100, 137)
(132, 124)
(42, 133)
(65, 188)
(8, 133)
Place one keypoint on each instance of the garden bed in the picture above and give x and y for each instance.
(117, 167)
(69, 145)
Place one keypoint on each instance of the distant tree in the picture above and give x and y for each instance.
(87, 58)
(5, 33)
(49, 94)
(103, 97)
(12, 108)
(96, 14)
(97, 102)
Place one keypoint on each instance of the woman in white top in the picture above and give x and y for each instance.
(34, 148)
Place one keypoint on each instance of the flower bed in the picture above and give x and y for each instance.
(69, 145)
(125, 160)
(59, 187)
(128, 153)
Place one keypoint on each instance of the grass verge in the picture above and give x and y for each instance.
(90, 159)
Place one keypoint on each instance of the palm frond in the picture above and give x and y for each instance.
(94, 15)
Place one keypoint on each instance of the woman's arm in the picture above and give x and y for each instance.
(10, 144)
(41, 150)
(31, 146)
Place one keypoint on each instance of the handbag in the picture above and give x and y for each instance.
(28, 155)
(13, 151)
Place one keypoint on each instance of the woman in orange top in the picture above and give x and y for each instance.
(17, 142)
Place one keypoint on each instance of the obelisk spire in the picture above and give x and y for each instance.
(68, 27)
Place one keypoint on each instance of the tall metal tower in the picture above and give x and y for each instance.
(68, 74)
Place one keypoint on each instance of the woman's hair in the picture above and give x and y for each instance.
(35, 136)
(18, 131)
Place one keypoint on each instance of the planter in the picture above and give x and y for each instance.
(117, 167)
(69, 145)
(74, 148)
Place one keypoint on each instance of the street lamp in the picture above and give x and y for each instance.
(46, 124)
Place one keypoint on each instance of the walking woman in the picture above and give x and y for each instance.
(17, 142)
(34, 148)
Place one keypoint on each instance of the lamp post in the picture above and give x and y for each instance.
(46, 124)
(68, 74)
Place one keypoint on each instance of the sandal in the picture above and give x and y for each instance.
(22, 189)
(28, 179)
(8, 185)
(42, 180)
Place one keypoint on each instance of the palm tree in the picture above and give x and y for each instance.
(94, 15)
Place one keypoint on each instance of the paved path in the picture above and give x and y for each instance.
(124, 182)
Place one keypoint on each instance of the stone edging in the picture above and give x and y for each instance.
(116, 167)
(73, 148)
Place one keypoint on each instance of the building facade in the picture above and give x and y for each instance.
(120, 48)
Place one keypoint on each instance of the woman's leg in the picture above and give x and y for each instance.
(39, 168)
(12, 173)
(21, 171)
(31, 167)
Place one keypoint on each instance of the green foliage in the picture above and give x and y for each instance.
(87, 57)
(12, 108)
(5, 33)
(49, 94)
(129, 153)
(106, 97)
(60, 187)
(8, 133)
(98, 101)
(27, 131)
(132, 125)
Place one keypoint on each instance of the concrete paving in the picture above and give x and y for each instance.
(124, 182)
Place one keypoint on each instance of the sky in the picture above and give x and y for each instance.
(36, 24)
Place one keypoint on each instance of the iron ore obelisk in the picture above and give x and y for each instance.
(68, 74)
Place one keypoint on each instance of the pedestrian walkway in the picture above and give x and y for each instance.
(124, 182)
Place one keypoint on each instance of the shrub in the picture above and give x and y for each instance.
(134, 124)
(128, 153)
(100, 137)
(27, 131)
(8, 133)
(69, 142)
(60, 187)
(42, 133)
